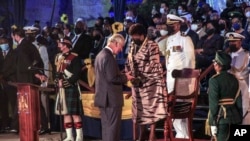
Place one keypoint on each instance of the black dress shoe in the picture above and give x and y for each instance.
(44, 131)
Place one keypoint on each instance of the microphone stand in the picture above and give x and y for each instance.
(59, 98)
(60, 109)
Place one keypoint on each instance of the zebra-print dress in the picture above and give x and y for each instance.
(148, 101)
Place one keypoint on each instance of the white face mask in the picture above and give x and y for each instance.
(179, 11)
(4, 47)
(129, 18)
(162, 10)
(194, 27)
(163, 32)
(247, 14)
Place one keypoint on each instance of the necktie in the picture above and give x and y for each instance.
(74, 40)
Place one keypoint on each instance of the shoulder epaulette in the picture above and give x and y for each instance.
(183, 34)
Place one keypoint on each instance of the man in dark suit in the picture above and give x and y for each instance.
(225, 102)
(186, 31)
(82, 43)
(108, 88)
(27, 56)
(7, 92)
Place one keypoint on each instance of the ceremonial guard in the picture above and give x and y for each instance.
(68, 103)
(179, 54)
(239, 68)
(225, 103)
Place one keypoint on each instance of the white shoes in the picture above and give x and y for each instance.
(69, 139)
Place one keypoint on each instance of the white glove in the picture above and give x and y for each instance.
(214, 130)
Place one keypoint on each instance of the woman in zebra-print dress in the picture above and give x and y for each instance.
(148, 100)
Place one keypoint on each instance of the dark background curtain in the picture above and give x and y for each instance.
(119, 8)
(18, 11)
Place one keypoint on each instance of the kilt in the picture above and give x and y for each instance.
(73, 102)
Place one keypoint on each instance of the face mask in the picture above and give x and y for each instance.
(194, 27)
(210, 31)
(78, 30)
(138, 42)
(129, 18)
(106, 32)
(4, 47)
(247, 14)
(97, 37)
(162, 10)
(236, 26)
(183, 27)
(221, 26)
(170, 30)
(163, 32)
(151, 34)
(233, 48)
(179, 12)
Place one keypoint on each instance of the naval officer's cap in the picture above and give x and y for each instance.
(233, 36)
(171, 19)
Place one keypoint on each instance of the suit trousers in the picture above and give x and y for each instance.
(223, 132)
(111, 123)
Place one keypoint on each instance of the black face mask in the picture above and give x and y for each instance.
(30, 38)
(78, 30)
(170, 30)
(158, 34)
(138, 42)
(106, 32)
(151, 34)
(210, 31)
(233, 48)
(221, 26)
(97, 37)
(183, 27)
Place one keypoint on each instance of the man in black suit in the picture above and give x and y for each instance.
(26, 56)
(7, 92)
(108, 88)
(186, 31)
(82, 43)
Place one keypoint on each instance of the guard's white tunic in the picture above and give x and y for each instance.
(179, 54)
(239, 67)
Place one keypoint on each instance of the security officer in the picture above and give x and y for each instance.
(179, 54)
(225, 103)
(239, 68)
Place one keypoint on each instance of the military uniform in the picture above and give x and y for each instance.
(224, 101)
(179, 54)
(239, 68)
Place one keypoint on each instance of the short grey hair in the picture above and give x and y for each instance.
(116, 38)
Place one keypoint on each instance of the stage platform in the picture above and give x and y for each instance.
(55, 136)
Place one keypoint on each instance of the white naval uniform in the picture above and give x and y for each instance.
(239, 67)
(179, 54)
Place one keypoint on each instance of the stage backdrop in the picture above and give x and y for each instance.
(42, 10)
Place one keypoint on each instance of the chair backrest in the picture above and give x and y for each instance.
(185, 92)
